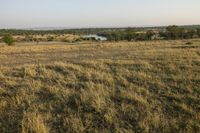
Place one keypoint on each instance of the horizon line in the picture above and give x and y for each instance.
(94, 27)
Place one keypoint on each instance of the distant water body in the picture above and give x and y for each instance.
(96, 37)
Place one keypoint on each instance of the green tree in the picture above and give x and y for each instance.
(175, 32)
(149, 34)
(50, 38)
(130, 34)
(8, 39)
(190, 33)
(198, 32)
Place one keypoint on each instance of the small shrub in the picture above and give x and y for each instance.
(8, 39)
(50, 38)
(188, 43)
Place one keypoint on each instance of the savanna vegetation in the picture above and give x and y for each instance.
(112, 34)
(149, 86)
(168, 33)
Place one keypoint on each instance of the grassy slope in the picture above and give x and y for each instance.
(134, 87)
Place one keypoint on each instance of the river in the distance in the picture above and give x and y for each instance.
(95, 36)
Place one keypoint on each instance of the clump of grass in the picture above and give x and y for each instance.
(33, 122)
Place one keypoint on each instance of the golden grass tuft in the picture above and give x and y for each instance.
(33, 124)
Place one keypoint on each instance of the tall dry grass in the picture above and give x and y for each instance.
(147, 88)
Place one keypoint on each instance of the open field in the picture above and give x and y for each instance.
(149, 86)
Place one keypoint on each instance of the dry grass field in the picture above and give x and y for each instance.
(121, 87)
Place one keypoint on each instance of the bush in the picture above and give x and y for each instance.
(50, 38)
(8, 39)
(188, 43)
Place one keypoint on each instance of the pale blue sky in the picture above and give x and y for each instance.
(97, 13)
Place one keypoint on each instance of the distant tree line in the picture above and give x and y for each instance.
(116, 34)
(129, 35)
(176, 32)
(83, 31)
(169, 33)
